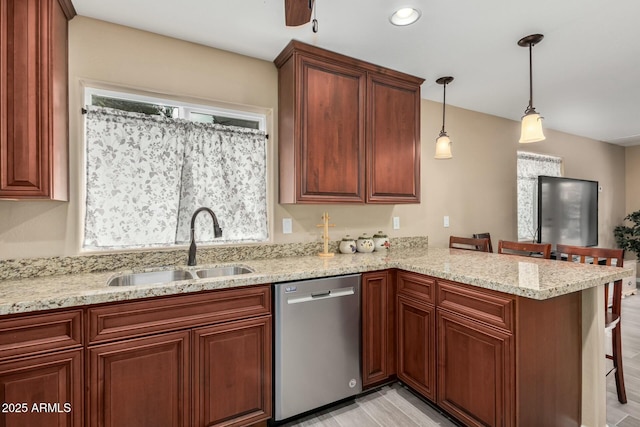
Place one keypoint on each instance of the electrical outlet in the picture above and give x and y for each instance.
(446, 221)
(287, 226)
(396, 223)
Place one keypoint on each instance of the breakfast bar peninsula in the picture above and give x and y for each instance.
(492, 339)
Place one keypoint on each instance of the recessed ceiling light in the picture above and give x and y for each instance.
(405, 16)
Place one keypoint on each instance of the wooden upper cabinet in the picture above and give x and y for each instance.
(322, 155)
(393, 141)
(349, 131)
(34, 99)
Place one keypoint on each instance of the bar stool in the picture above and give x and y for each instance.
(612, 318)
(484, 236)
(524, 249)
(469, 243)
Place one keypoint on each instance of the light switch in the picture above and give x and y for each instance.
(396, 223)
(287, 226)
(446, 221)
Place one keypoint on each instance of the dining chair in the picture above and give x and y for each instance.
(603, 256)
(542, 250)
(468, 243)
(484, 236)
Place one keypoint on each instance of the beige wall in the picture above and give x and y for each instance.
(632, 182)
(476, 189)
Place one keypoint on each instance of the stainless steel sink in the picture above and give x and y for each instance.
(147, 278)
(222, 271)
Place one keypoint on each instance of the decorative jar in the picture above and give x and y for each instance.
(347, 245)
(365, 244)
(381, 241)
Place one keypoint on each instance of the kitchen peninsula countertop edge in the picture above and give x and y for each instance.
(522, 276)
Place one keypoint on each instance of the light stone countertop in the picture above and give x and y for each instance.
(529, 277)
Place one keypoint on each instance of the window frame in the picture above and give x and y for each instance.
(534, 217)
(184, 109)
(261, 115)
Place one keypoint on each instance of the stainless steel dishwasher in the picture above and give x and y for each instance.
(317, 343)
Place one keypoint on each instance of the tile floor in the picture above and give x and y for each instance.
(389, 406)
(627, 415)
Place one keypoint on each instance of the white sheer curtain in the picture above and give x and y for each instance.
(146, 175)
(530, 166)
(133, 172)
(224, 170)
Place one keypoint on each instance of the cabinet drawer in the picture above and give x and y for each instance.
(37, 333)
(487, 306)
(416, 285)
(132, 319)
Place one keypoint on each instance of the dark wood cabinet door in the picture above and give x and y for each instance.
(378, 328)
(393, 140)
(332, 136)
(232, 373)
(33, 98)
(416, 346)
(42, 391)
(475, 371)
(140, 382)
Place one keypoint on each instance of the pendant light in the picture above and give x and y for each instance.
(531, 121)
(443, 143)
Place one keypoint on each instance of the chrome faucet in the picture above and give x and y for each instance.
(217, 231)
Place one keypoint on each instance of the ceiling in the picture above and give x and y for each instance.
(586, 71)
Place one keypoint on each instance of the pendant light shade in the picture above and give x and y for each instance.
(443, 147)
(443, 143)
(531, 128)
(531, 121)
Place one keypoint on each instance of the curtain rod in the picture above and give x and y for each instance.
(84, 111)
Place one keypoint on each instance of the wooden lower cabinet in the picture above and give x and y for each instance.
(475, 371)
(232, 373)
(203, 360)
(141, 382)
(490, 358)
(42, 391)
(378, 328)
(416, 345)
(152, 382)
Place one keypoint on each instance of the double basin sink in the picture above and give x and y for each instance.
(168, 276)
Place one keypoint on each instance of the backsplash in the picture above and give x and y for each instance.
(37, 267)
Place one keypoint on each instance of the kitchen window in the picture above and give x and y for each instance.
(150, 163)
(529, 167)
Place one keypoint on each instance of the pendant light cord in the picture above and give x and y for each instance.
(444, 103)
(530, 107)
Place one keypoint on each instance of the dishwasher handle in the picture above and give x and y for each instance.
(322, 295)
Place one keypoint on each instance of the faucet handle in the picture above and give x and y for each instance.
(217, 231)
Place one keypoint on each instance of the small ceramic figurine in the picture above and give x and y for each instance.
(347, 245)
(381, 241)
(365, 244)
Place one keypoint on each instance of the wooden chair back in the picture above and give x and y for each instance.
(484, 236)
(602, 256)
(468, 243)
(524, 249)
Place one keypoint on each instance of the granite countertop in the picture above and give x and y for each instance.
(528, 277)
